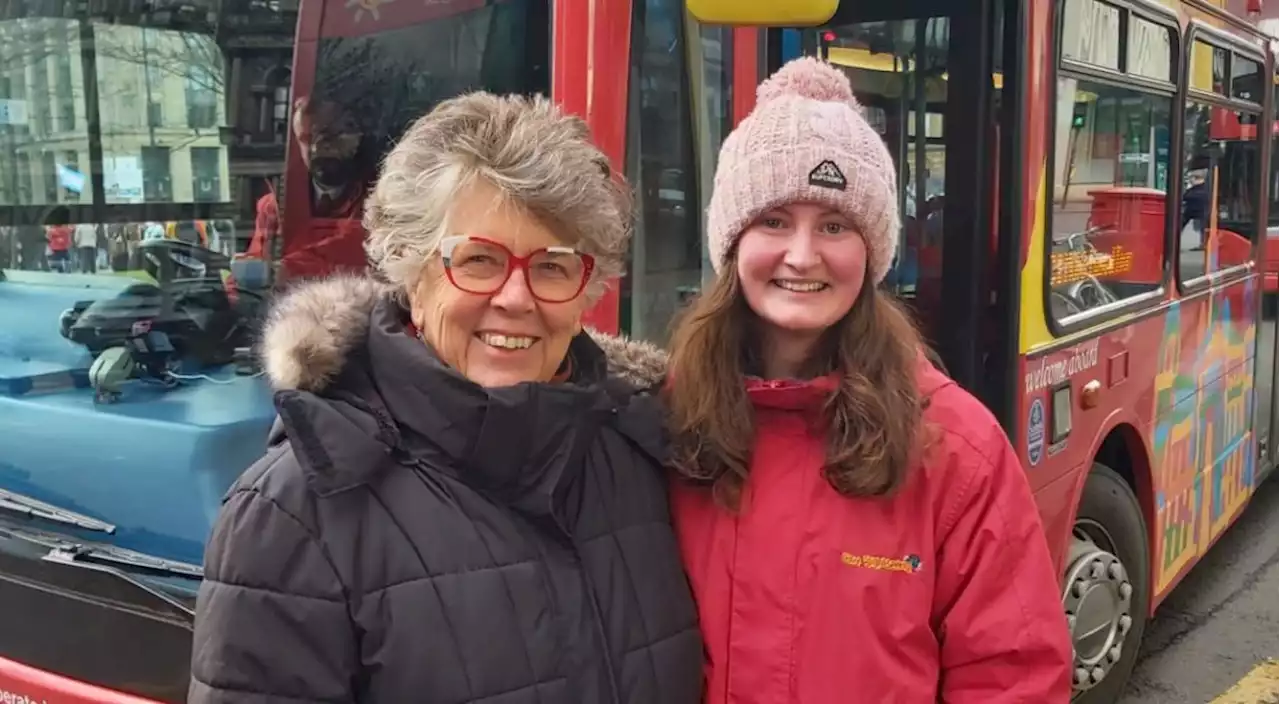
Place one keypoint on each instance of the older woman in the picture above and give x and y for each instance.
(459, 503)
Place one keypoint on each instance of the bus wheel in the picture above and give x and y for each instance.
(1105, 590)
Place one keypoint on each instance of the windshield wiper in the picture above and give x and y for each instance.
(28, 507)
(126, 559)
(132, 567)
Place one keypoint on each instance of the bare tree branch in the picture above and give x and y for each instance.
(194, 57)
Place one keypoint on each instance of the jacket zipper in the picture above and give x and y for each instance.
(597, 617)
(597, 621)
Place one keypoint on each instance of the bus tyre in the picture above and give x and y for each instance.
(1105, 589)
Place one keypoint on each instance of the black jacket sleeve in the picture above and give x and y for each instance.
(272, 621)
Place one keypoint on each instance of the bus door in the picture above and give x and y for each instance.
(1265, 392)
(927, 75)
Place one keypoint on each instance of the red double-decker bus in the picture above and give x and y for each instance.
(1086, 185)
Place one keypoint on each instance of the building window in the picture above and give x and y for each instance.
(157, 183)
(65, 95)
(49, 175)
(43, 104)
(23, 176)
(206, 174)
(15, 89)
(202, 98)
(154, 78)
(1111, 161)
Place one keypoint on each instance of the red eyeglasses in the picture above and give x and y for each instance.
(480, 266)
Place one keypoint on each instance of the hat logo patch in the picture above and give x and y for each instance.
(828, 175)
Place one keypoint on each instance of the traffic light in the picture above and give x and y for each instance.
(1078, 113)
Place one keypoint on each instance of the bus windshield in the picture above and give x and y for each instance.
(374, 74)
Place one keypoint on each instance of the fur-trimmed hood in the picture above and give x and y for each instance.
(311, 330)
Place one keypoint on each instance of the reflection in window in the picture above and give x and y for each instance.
(1221, 170)
(1150, 49)
(201, 92)
(160, 91)
(206, 174)
(1111, 158)
(671, 151)
(157, 181)
(1246, 80)
(898, 72)
(1091, 33)
(369, 88)
(49, 175)
(22, 176)
(153, 142)
(1208, 68)
(711, 90)
(65, 92)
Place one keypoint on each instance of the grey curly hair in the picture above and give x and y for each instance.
(536, 156)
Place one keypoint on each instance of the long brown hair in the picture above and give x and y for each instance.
(873, 419)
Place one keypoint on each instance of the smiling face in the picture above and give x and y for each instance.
(506, 337)
(801, 267)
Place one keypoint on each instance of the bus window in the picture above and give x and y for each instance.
(369, 88)
(679, 116)
(898, 70)
(127, 142)
(374, 75)
(1221, 170)
(1111, 163)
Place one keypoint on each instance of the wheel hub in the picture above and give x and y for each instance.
(1096, 596)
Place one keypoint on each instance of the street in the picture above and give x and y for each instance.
(1221, 621)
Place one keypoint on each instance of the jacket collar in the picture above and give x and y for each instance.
(813, 394)
(792, 394)
(510, 440)
(353, 384)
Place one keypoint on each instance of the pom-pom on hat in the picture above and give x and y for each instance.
(806, 140)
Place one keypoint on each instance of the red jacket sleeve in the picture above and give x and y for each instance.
(998, 610)
(266, 225)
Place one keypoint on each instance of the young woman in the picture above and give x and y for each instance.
(856, 526)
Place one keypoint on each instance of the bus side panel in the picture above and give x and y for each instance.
(1036, 88)
(1181, 378)
(19, 683)
(591, 59)
(72, 633)
(1203, 442)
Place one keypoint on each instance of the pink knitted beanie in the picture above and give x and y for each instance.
(806, 140)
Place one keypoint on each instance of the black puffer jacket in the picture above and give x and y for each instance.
(412, 537)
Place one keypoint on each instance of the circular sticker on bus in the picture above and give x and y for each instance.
(1035, 432)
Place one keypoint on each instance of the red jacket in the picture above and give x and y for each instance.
(60, 238)
(944, 592)
(326, 246)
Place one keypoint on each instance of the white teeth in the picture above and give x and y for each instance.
(800, 286)
(509, 342)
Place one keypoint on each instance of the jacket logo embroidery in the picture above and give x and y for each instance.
(910, 564)
(828, 175)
